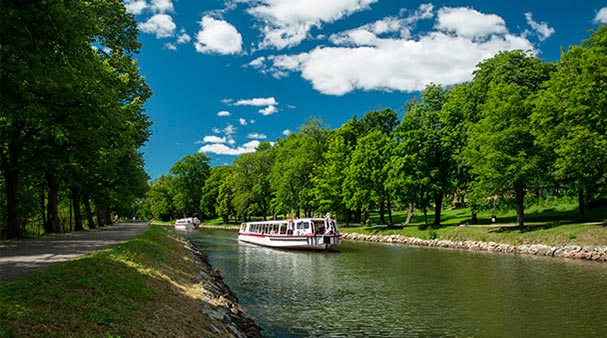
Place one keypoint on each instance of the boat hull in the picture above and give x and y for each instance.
(309, 242)
(184, 227)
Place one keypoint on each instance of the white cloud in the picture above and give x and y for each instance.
(469, 23)
(242, 121)
(258, 62)
(369, 61)
(162, 6)
(229, 129)
(257, 102)
(217, 37)
(257, 136)
(286, 132)
(135, 7)
(542, 30)
(224, 113)
(170, 46)
(222, 149)
(214, 139)
(216, 130)
(183, 37)
(161, 25)
(269, 110)
(286, 23)
(601, 16)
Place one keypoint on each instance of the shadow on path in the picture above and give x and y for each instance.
(19, 257)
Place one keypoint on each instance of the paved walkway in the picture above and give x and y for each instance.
(19, 257)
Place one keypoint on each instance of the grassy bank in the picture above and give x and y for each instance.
(144, 287)
(557, 235)
(553, 224)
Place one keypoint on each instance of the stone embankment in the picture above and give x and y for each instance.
(596, 253)
(220, 303)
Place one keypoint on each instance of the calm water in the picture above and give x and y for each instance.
(382, 290)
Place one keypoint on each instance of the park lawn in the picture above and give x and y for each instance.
(143, 287)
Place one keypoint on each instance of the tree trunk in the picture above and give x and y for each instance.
(382, 211)
(11, 180)
(107, 217)
(99, 213)
(438, 205)
(54, 225)
(390, 211)
(89, 213)
(409, 213)
(581, 202)
(474, 215)
(520, 198)
(426, 216)
(77, 212)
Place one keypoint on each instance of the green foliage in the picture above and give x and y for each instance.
(570, 118)
(71, 115)
(189, 176)
(521, 130)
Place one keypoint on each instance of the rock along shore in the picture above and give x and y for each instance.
(596, 253)
(220, 303)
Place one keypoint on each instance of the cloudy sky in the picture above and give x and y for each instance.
(228, 74)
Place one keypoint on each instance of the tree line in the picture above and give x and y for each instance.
(72, 117)
(519, 126)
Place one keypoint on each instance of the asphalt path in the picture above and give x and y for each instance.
(20, 257)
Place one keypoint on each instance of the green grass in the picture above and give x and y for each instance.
(132, 289)
(554, 222)
(574, 234)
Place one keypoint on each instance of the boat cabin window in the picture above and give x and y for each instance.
(303, 225)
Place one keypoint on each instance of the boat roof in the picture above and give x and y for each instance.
(285, 221)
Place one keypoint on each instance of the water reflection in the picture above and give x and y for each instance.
(365, 290)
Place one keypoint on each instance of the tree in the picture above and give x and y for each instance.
(501, 152)
(55, 87)
(570, 117)
(424, 143)
(460, 113)
(190, 174)
(296, 158)
(366, 173)
(251, 180)
(160, 198)
(210, 191)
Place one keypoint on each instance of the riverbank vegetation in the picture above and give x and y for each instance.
(522, 132)
(71, 116)
(145, 287)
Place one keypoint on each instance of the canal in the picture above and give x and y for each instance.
(389, 290)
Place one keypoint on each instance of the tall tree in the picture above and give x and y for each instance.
(297, 156)
(190, 174)
(501, 151)
(570, 117)
(366, 173)
(210, 191)
(55, 85)
(423, 141)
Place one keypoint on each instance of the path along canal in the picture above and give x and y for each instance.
(389, 290)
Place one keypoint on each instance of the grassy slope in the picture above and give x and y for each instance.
(546, 224)
(144, 287)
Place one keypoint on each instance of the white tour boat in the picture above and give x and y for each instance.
(189, 223)
(301, 233)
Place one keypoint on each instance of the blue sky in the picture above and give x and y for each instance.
(228, 74)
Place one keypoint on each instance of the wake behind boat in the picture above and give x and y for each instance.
(302, 233)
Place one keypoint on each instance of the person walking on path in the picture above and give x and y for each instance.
(19, 257)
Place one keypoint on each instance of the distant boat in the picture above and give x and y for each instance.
(301, 233)
(185, 224)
